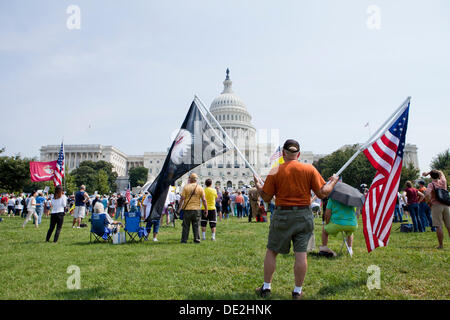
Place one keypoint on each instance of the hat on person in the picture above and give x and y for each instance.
(291, 145)
(193, 176)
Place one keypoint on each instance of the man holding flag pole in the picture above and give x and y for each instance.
(384, 153)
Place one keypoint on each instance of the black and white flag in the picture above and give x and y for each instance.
(195, 143)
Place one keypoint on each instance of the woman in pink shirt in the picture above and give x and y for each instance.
(239, 204)
(440, 212)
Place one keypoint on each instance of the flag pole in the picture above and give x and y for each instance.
(64, 155)
(228, 137)
(387, 123)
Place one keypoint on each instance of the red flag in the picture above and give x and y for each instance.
(42, 171)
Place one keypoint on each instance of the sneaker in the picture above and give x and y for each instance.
(296, 295)
(155, 240)
(263, 293)
(196, 241)
(213, 239)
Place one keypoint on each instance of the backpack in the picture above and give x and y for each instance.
(23, 202)
(17, 202)
(405, 227)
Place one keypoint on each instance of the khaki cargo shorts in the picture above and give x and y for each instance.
(290, 225)
(440, 215)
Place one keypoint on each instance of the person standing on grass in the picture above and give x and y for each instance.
(219, 203)
(31, 210)
(414, 197)
(81, 198)
(253, 197)
(225, 205)
(120, 206)
(233, 203)
(440, 212)
(291, 184)
(246, 203)
(58, 205)
(40, 203)
(155, 223)
(239, 201)
(11, 204)
(424, 208)
(211, 216)
(192, 196)
(112, 205)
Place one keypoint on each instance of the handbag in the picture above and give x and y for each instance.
(185, 205)
(119, 238)
(441, 195)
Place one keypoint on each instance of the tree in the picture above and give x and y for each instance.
(442, 162)
(409, 173)
(15, 173)
(102, 182)
(88, 173)
(358, 172)
(138, 176)
(85, 175)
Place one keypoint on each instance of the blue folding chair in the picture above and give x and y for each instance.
(133, 227)
(98, 228)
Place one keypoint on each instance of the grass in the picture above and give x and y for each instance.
(229, 268)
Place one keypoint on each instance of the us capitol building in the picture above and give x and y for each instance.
(228, 171)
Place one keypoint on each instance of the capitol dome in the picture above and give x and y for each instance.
(229, 109)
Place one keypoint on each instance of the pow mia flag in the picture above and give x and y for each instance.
(195, 143)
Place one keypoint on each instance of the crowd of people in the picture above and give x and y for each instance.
(294, 193)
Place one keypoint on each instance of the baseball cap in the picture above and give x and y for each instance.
(291, 145)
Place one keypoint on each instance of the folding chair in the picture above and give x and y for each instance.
(132, 226)
(98, 229)
(344, 242)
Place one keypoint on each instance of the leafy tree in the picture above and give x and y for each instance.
(85, 175)
(442, 162)
(102, 182)
(15, 173)
(88, 173)
(69, 181)
(138, 176)
(358, 172)
(409, 173)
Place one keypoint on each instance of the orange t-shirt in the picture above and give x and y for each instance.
(291, 183)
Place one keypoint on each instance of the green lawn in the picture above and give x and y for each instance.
(229, 268)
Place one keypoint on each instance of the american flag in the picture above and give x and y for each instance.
(59, 172)
(277, 158)
(277, 154)
(128, 194)
(386, 156)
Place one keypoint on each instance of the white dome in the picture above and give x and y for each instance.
(229, 109)
(227, 100)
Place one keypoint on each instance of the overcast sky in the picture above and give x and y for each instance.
(316, 70)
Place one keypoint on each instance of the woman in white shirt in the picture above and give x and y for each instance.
(59, 203)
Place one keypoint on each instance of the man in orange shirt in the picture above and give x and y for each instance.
(291, 184)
